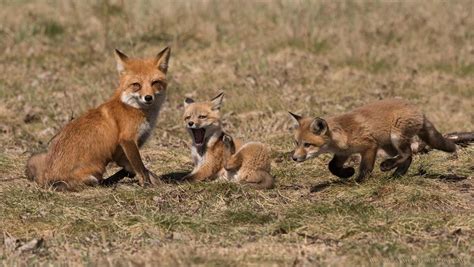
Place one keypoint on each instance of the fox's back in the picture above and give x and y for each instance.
(378, 120)
(92, 137)
(255, 155)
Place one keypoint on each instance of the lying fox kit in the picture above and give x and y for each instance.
(388, 125)
(114, 131)
(209, 152)
(250, 164)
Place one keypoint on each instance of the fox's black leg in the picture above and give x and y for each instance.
(366, 164)
(116, 177)
(388, 164)
(229, 143)
(403, 167)
(336, 167)
(403, 161)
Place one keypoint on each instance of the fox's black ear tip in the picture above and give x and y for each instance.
(296, 116)
(120, 53)
(220, 95)
(167, 50)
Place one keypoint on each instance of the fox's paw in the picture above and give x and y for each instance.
(148, 179)
(341, 172)
(345, 173)
(154, 179)
(388, 164)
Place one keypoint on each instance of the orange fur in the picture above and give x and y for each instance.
(388, 125)
(250, 164)
(114, 131)
(211, 153)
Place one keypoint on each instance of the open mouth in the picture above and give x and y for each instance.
(198, 135)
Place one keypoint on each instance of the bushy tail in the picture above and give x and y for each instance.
(35, 166)
(461, 138)
(435, 139)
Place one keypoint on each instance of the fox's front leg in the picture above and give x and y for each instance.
(132, 153)
(367, 163)
(234, 161)
(336, 167)
(229, 143)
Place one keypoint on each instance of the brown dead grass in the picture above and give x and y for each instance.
(310, 57)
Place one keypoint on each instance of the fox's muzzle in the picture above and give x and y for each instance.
(298, 158)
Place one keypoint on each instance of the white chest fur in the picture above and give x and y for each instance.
(146, 127)
(198, 159)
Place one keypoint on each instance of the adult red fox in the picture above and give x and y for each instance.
(114, 131)
(388, 124)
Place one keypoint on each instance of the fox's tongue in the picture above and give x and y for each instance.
(199, 136)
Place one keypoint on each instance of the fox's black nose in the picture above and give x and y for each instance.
(294, 158)
(148, 98)
(190, 123)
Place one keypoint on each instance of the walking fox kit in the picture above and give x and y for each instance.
(216, 154)
(114, 131)
(389, 125)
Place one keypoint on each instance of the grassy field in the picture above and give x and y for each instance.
(310, 57)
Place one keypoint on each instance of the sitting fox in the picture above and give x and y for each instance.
(114, 131)
(388, 125)
(213, 151)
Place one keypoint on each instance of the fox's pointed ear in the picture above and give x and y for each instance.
(217, 101)
(319, 126)
(121, 59)
(296, 117)
(162, 59)
(188, 101)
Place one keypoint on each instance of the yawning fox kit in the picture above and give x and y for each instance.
(216, 154)
(114, 132)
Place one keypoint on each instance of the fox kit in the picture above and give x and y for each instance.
(250, 164)
(114, 131)
(209, 152)
(388, 125)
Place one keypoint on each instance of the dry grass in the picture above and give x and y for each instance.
(268, 57)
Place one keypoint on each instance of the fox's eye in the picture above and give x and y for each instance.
(202, 117)
(136, 86)
(187, 118)
(157, 84)
(307, 145)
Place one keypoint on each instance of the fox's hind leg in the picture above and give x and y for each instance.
(403, 161)
(74, 184)
(35, 166)
(367, 163)
(258, 179)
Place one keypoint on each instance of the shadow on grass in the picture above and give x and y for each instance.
(172, 177)
(321, 186)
